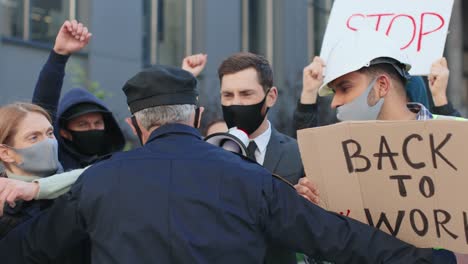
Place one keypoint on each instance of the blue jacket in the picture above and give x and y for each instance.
(179, 199)
(47, 95)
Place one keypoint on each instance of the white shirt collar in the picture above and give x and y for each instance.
(262, 143)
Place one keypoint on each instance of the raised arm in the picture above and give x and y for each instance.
(306, 112)
(438, 83)
(195, 63)
(72, 37)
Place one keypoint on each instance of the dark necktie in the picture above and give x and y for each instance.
(251, 150)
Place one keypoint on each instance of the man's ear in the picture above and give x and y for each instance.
(128, 120)
(6, 154)
(272, 96)
(65, 134)
(383, 84)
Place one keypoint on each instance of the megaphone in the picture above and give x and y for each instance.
(235, 140)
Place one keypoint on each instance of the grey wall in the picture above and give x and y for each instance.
(115, 50)
(19, 68)
(290, 48)
(217, 33)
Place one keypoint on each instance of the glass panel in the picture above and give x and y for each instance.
(82, 11)
(146, 32)
(171, 32)
(257, 27)
(46, 18)
(322, 9)
(170, 35)
(11, 18)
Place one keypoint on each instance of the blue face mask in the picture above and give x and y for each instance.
(359, 108)
(41, 159)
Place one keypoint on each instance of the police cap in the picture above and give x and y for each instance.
(160, 85)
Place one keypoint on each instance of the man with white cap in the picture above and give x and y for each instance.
(366, 73)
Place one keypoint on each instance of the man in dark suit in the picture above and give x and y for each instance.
(247, 93)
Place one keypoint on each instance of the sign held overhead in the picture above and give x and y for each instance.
(419, 27)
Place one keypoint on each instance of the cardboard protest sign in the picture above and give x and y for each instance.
(418, 26)
(407, 178)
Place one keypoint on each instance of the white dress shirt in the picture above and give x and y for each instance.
(262, 143)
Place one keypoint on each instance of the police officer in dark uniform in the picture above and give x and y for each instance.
(179, 199)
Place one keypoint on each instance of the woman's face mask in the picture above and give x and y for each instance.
(40, 159)
(34, 148)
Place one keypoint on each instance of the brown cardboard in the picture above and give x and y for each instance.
(323, 153)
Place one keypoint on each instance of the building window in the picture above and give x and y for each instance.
(257, 27)
(46, 18)
(167, 31)
(37, 20)
(12, 18)
(318, 21)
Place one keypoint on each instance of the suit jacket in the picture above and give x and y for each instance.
(282, 157)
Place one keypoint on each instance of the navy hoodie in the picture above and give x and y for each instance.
(47, 95)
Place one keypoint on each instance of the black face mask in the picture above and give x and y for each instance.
(91, 142)
(245, 117)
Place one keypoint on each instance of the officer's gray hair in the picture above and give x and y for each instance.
(165, 114)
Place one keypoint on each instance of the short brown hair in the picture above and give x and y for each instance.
(244, 60)
(384, 68)
(12, 114)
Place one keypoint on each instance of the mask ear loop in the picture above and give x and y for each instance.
(264, 100)
(197, 116)
(137, 128)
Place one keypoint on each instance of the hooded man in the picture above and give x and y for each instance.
(85, 128)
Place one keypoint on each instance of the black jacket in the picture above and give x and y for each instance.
(47, 94)
(17, 219)
(179, 199)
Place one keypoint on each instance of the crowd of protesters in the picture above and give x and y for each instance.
(69, 194)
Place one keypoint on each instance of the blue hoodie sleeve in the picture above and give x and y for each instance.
(49, 83)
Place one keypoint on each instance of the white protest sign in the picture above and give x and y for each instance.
(419, 26)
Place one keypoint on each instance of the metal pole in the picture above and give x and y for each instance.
(26, 20)
(189, 27)
(245, 25)
(269, 31)
(154, 32)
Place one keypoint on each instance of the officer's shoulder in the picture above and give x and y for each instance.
(109, 161)
(266, 173)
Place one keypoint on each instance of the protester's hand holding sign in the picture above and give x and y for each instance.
(307, 189)
(195, 63)
(13, 190)
(72, 37)
(438, 81)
